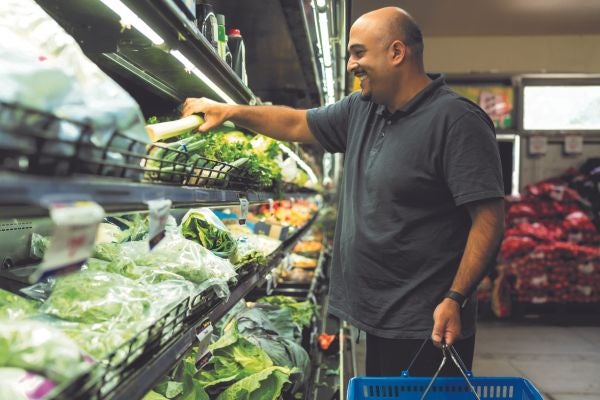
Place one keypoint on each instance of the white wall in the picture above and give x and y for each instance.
(568, 53)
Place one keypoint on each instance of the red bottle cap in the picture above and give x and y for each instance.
(234, 31)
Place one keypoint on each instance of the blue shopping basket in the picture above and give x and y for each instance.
(406, 387)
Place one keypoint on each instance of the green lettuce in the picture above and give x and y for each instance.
(35, 346)
(204, 228)
(15, 307)
(92, 296)
(302, 311)
(264, 385)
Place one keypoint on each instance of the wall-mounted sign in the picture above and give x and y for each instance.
(573, 144)
(538, 145)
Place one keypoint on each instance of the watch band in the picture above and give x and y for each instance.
(461, 299)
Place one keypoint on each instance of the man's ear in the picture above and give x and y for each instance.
(398, 49)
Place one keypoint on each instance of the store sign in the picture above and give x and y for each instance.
(538, 145)
(573, 144)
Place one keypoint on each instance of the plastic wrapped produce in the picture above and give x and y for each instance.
(173, 258)
(15, 307)
(202, 226)
(92, 296)
(18, 384)
(35, 346)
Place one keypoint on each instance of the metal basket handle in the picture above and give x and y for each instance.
(451, 351)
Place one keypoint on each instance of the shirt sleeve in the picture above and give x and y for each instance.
(472, 167)
(329, 124)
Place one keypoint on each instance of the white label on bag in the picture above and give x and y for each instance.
(203, 332)
(159, 213)
(243, 210)
(74, 234)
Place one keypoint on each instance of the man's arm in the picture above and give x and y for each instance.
(281, 123)
(487, 228)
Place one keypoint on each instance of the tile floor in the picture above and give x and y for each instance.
(563, 362)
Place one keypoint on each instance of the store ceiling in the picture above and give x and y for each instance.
(495, 17)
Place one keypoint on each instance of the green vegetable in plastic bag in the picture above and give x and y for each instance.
(39, 244)
(35, 346)
(15, 307)
(202, 226)
(91, 296)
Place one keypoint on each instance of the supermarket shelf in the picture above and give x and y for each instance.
(142, 381)
(130, 54)
(25, 195)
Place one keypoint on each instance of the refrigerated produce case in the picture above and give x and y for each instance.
(42, 169)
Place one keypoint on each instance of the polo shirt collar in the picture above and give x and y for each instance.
(437, 80)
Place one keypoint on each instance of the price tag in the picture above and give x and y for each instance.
(203, 332)
(74, 234)
(243, 210)
(573, 144)
(271, 209)
(274, 277)
(287, 262)
(292, 201)
(159, 212)
(269, 281)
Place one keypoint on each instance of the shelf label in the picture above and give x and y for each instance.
(203, 333)
(538, 145)
(573, 144)
(159, 213)
(243, 210)
(287, 262)
(74, 234)
(269, 288)
(271, 210)
(274, 277)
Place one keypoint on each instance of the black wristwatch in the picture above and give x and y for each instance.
(462, 300)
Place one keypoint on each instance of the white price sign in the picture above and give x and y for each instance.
(159, 213)
(74, 234)
(203, 332)
(243, 210)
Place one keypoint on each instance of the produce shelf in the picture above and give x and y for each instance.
(23, 195)
(136, 384)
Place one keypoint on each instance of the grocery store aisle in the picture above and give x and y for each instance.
(563, 362)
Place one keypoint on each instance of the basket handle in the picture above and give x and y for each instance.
(450, 351)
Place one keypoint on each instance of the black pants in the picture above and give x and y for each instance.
(389, 357)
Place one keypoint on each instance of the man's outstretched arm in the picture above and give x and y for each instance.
(281, 123)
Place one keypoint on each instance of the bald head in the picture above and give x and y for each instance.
(393, 23)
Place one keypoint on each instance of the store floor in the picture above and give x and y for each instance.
(563, 362)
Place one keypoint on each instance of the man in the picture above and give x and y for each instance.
(421, 210)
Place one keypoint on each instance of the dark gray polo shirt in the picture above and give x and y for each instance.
(401, 231)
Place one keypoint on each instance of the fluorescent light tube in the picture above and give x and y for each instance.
(189, 66)
(129, 18)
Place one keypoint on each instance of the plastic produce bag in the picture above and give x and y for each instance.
(203, 226)
(15, 307)
(38, 347)
(42, 67)
(39, 244)
(91, 296)
(173, 258)
(247, 253)
(18, 384)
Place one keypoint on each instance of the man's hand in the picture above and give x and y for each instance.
(214, 113)
(446, 323)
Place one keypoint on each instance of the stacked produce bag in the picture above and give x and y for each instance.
(551, 246)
